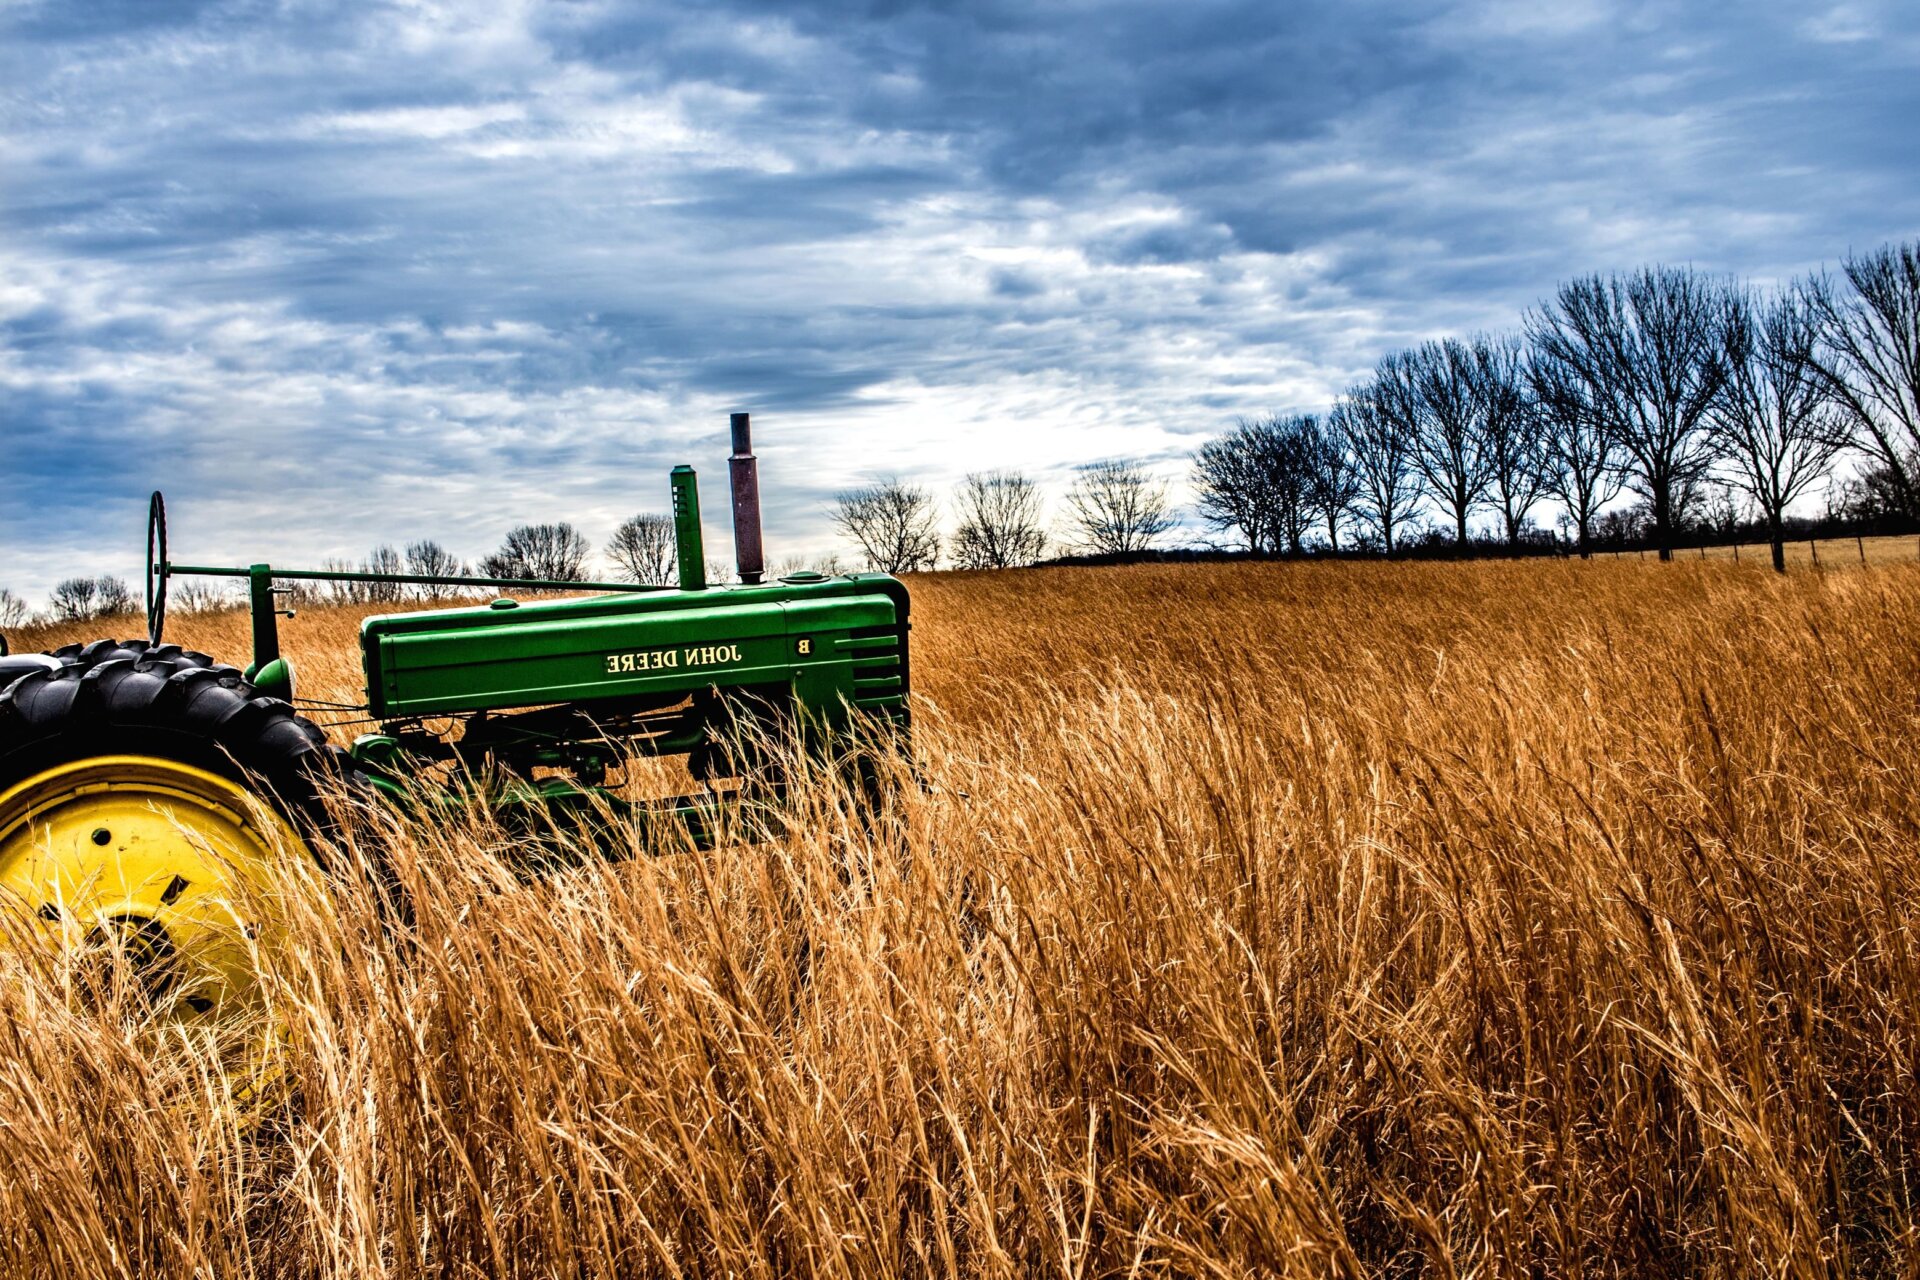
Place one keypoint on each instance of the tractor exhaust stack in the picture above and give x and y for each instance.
(748, 556)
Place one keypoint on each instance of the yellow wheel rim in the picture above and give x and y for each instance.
(157, 876)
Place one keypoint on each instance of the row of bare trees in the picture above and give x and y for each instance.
(534, 551)
(1113, 507)
(1652, 382)
(78, 599)
(641, 550)
(1665, 383)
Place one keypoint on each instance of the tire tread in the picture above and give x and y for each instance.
(129, 688)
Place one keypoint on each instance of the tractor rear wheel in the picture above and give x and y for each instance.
(145, 793)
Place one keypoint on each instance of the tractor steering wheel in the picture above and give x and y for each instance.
(156, 567)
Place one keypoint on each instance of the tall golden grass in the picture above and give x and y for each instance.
(1492, 919)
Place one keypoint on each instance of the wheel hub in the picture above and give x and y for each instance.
(132, 952)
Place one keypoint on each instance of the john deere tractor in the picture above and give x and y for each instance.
(144, 787)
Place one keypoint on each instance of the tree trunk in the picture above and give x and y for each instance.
(1333, 533)
(1460, 527)
(1663, 520)
(1586, 538)
(1777, 536)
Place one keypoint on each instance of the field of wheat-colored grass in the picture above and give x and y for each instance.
(1256, 919)
(1828, 553)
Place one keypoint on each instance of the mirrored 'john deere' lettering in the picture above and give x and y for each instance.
(619, 664)
(685, 657)
(709, 655)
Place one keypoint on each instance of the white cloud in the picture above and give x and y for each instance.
(430, 123)
(1842, 24)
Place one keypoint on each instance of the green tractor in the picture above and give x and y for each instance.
(144, 787)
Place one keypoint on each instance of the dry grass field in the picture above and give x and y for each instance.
(1530, 919)
(1828, 553)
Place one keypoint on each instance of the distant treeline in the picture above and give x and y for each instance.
(1715, 405)
(1649, 409)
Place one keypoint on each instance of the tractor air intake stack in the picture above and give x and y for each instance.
(745, 469)
(692, 558)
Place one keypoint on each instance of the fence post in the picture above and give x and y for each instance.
(1863, 547)
(1813, 545)
(1736, 553)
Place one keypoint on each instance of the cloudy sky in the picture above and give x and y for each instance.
(337, 274)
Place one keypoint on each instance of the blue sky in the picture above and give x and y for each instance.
(338, 274)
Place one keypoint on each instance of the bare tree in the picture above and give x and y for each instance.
(893, 524)
(1869, 494)
(828, 564)
(1582, 465)
(13, 610)
(1333, 480)
(1230, 479)
(1868, 358)
(1291, 444)
(1726, 508)
(1382, 454)
(555, 552)
(383, 559)
(343, 590)
(1117, 507)
(1510, 428)
(1258, 478)
(81, 599)
(643, 548)
(1433, 394)
(1645, 348)
(197, 595)
(429, 559)
(115, 598)
(73, 599)
(999, 521)
(1693, 502)
(1776, 426)
(346, 590)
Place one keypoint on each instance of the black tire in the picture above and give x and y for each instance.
(114, 697)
